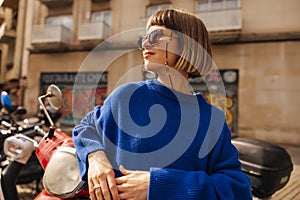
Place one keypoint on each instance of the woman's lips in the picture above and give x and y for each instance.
(148, 53)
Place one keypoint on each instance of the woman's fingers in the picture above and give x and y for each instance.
(103, 178)
(113, 187)
(123, 170)
(102, 184)
(98, 193)
(94, 190)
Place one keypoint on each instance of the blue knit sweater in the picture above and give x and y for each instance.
(181, 139)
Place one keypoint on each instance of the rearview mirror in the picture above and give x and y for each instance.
(55, 97)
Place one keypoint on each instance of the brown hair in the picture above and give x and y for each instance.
(194, 59)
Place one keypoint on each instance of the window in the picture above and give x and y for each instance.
(66, 20)
(216, 4)
(152, 9)
(209, 5)
(202, 6)
(231, 4)
(102, 16)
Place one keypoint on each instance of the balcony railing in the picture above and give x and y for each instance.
(50, 36)
(222, 20)
(93, 31)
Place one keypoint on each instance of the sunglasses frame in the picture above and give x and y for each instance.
(160, 33)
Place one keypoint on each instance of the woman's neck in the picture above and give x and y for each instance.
(175, 80)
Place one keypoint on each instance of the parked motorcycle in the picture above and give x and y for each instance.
(19, 146)
(56, 154)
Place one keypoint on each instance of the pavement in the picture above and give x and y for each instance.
(291, 191)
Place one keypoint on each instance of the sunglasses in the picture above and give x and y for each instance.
(154, 36)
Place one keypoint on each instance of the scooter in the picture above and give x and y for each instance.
(268, 165)
(23, 166)
(56, 154)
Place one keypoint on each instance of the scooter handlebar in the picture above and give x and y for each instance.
(39, 131)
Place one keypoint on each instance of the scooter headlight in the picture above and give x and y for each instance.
(14, 150)
(18, 146)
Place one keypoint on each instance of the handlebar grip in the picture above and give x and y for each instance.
(6, 124)
(39, 131)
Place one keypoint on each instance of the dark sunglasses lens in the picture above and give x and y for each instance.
(153, 37)
(141, 40)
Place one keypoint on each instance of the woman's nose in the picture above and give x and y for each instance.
(146, 44)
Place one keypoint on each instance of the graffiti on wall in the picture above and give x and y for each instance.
(212, 92)
(85, 89)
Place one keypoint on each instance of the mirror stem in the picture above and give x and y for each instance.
(44, 109)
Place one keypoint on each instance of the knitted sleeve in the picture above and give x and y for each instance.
(87, 139)
(223, 179)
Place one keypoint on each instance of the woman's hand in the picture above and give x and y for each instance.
(133, 185)
(101, 178)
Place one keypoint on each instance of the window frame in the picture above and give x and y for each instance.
(157, 7)
(66, 20)
(102, 17)
(214, 5)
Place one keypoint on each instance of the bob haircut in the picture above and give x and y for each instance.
(195, 58)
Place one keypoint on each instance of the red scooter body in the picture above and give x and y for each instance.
(57, 155)
(48, 146)
(46, 196)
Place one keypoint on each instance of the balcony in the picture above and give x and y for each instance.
(224, 24)
(50, 37)
(93, 33)
(56, 3)
(222, 20)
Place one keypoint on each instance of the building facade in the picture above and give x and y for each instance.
(258, 38)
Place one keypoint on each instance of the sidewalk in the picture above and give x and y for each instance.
(292, 190)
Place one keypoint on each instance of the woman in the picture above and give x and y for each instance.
(157, 139)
